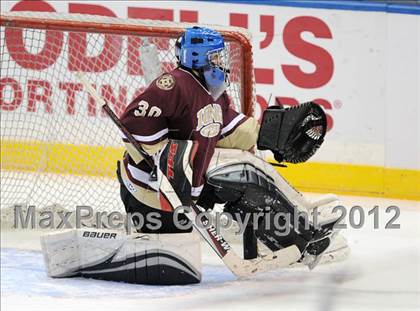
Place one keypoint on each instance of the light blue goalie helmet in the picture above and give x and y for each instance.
(200, 49)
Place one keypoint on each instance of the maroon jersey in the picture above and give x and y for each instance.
(178, 106)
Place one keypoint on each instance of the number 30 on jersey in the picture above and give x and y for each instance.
(144, 111)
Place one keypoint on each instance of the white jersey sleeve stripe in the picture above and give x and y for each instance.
(149, 138)
(232, 123)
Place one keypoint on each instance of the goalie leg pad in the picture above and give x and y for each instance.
(157, 259)
(248, 189)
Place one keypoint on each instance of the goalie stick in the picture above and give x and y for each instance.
(240, 267)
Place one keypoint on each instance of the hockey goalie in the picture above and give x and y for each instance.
(186, 147)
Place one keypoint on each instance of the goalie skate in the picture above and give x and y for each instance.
(323, 206)
(320, 243)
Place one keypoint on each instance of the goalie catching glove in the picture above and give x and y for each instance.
(293, 134)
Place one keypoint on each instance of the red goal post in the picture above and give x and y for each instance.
(57, 147)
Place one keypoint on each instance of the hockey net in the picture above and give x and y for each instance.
(58, 149)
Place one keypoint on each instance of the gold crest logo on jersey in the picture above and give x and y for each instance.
(166, 82)
(209, 120)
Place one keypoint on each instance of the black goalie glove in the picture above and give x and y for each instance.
(293, 134)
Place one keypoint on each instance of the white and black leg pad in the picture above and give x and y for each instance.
(158, 259)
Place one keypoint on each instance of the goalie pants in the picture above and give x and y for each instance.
(168, 225)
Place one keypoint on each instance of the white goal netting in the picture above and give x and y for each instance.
(58, 149)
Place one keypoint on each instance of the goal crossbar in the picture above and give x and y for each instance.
(152, 28)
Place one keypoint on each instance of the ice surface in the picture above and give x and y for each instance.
(382, 273)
